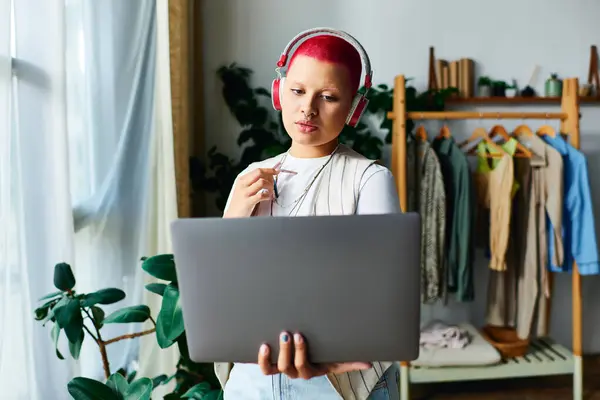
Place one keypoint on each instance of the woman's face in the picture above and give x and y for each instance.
(315, 101)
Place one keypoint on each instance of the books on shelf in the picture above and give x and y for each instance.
(459, 74)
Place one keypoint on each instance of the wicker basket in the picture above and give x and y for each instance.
(505, 340)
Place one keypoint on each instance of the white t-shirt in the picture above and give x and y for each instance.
(377, 193)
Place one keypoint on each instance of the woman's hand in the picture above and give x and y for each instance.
(299, 366)
(249, 190)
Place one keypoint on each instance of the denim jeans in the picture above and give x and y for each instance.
(247, 382)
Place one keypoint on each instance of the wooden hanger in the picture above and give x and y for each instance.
(521, 150)
(444, 132)
(523, 130)
(421, 133)
(546, 130)
(499, 130)
(480, 133)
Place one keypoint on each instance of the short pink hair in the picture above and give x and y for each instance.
(332, 49)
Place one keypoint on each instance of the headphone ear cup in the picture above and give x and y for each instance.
(359, 105)
(276, 92)
(275, 97)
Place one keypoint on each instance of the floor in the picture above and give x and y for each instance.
(551, 388)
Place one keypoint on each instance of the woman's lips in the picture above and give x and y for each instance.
(306, 127)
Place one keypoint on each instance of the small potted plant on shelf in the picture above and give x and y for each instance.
(511, 90)
(499, 88)
(484, 86)
(553, 86)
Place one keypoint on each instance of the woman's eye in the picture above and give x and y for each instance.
(329, 98)
(296, 91)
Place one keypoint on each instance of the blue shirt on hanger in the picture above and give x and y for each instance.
(578, 231)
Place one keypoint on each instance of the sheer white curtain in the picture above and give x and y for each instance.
(35, 205)
(111, 59)
(163, 208)
(80, 179)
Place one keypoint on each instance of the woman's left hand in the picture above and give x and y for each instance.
(299, 366)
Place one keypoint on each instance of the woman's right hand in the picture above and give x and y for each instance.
(249, 190)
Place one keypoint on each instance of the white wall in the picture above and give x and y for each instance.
(554, 34)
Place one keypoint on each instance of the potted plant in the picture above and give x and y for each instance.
(553, 87)
(499, 88)
(81, 315)
(511, 90)
(484, 86)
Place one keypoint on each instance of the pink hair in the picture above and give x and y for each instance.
(332, 49)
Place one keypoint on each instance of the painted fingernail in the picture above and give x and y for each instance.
(284, 337)
(298, 338)
(277, 165)
(264, 349)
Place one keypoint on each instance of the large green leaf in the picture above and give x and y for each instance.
(75, 347)
(158, 288)
(118, 384)
(161, 337)
(171, 317)
(63, 277)
(89, 389)
(161, 266)
(140, 389)
(216, 394)
(42, 311)
(98, 316)
(69, 318)
(103, 296)
(55, 335)
(51, 312)
(158, 380)
(138, 313)
(198, 392)
(50, 295)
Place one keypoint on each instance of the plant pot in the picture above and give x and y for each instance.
(498, 91)
(553, 87)
(484, 91)
(512, 92)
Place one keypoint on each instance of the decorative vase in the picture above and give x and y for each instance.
(484, 91)
(511, 92)
(553, 86)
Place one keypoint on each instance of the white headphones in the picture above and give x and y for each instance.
(359, 103)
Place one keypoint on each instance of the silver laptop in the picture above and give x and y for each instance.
(349, 284)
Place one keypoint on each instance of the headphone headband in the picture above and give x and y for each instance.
(332, 32)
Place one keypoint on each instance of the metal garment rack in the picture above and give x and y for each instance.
(545, 357)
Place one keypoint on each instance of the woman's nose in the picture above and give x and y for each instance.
(308, 108)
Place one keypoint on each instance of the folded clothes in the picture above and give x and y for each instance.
(437, 334)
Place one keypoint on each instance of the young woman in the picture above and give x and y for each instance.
(316, 176)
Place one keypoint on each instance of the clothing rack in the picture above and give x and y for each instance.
(563, 361)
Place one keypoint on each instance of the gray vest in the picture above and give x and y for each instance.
(336, 194)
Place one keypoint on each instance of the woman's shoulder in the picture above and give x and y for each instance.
(378, 172)
(378, 193)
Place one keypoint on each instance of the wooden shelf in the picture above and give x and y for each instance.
(517, 100)
(545, 357)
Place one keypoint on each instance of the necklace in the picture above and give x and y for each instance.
(296, 202)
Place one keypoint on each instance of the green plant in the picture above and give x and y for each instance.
(80, 315)
(263, 135)
(484, 81)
